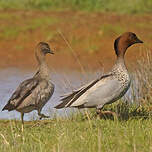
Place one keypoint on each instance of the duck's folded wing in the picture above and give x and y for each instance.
(69, 99)
(23, 90)
(103, 92)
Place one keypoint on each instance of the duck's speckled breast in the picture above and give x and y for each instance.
(121, 74)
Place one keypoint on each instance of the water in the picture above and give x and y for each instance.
(64, 82)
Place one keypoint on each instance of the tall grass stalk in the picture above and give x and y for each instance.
(144, 76)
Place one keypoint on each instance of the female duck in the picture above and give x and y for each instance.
(33, 94)
(108, 88)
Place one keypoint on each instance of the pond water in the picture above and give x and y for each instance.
(64, 82)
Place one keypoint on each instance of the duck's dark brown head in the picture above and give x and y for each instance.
(44, 48)
(124, 41)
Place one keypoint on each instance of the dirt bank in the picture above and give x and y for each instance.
(78, 39)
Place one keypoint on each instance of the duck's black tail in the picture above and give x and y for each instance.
(66, 100)
(69, 99)
(8, 107)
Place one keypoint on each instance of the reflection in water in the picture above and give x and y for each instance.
(64, 82)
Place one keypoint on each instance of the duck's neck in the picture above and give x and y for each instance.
(119, 66)
(120, 51)
(42, 66)
(120, 48)
(120, 61)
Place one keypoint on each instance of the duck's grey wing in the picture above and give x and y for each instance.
(69, 99)
(23, 90)
(103, 92)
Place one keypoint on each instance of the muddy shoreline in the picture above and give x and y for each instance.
(80, 40)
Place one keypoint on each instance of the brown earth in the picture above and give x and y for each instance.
(79, 39)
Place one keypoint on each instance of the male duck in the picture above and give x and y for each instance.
(108, 88)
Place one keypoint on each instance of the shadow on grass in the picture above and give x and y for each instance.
(120, 111)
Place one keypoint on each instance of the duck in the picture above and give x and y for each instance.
(109, 87)
(33, 93)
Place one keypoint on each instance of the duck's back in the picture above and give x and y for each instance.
(38, 97)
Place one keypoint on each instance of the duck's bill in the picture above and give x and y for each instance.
(51, 52)
(139, 41)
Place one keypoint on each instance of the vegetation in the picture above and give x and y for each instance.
(109, 29)
(77, 133)
(137, 6)
(11, 29)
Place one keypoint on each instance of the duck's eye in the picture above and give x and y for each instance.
(134, 36)
(45, 47)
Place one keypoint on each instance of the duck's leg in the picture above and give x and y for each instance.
(42, 115)
(22, 119)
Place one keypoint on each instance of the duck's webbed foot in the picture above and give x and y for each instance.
(42, 115)
(106, 114)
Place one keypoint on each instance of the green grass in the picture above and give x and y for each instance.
(9, 32)
(11, 29)
(81, 132)
(136, 6)
(109, 29)
(42, 22)
(66, 135)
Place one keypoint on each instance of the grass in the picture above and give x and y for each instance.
(82, 132)
(136, 6)
(12, 29)
(42, 22)
(9, 32)
(109, 29)
(76, 133)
